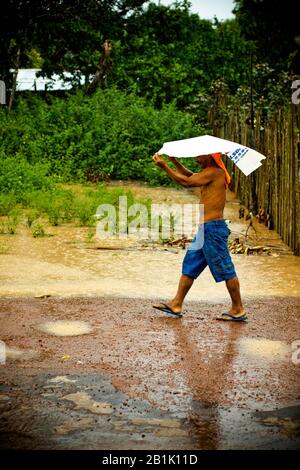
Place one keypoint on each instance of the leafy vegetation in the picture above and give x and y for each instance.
(30, 195)
(112, 133)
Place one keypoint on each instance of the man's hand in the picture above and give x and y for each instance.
(158, 161)
(172, 159)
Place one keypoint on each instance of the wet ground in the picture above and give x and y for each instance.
(93, 366)
(137, 380)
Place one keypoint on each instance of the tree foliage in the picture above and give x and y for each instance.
(67, 33)
(167, 54)
(165, 60)
(274, 27)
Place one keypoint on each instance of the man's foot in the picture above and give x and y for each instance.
(174, 312)
(233, 315)
(237, 312)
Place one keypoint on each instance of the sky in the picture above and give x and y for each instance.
(208, 8)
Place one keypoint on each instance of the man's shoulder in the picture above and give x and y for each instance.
(214, 172)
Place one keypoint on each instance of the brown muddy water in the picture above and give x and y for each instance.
(67, 264)
(86, 363)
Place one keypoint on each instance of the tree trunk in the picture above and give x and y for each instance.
(103, 68)
(14, 81)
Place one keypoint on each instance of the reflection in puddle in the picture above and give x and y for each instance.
(70, 426)
(287, 420)
(20, 354)
(84, 401)
(286, 425)
(172, 433)
(61, 379)
(66, 328)
(165, 423)
(4, 398)
(265, 348)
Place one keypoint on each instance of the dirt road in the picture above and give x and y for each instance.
(138, 380)
(93, 366)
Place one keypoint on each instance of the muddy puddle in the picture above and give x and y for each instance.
(261, 348)
(77, 419)
(83, 401)
(65, 328)
(68, 264)
(16, 354)
(91, 365)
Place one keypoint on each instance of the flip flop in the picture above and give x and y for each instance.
(165, 308)
(224, 316)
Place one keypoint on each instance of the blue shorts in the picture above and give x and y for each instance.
(214, 253)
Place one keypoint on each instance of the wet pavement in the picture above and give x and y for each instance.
(123, 376)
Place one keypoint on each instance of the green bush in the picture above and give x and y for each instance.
(7, 203)
(56, 203)
(13, 220)
(84, 211)
(18, 177)
(31, 216)
(107, 134)
(10, 222)
(85, 207)
(38, 231)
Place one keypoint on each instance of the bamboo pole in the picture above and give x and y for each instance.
(277, 184)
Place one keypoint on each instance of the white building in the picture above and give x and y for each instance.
(27, 80)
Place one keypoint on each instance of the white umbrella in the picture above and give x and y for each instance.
(246, 159)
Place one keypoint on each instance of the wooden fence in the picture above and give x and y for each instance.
(275, 187)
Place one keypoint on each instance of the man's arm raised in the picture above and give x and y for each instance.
(181, 168)
(196, 179)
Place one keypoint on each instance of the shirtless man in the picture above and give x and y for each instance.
(214, 252)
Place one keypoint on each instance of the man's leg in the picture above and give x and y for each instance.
(233, 287)
(193, 264)
(185, 283)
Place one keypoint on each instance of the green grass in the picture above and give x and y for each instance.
(7, 203)
(27, 189)
(61, 205)
(10, 222)
(38, 231)
(3, 249)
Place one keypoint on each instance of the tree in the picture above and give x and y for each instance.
(17, 24)
(67, 33)
(166, 54)
(71, 38)
(274, 27)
